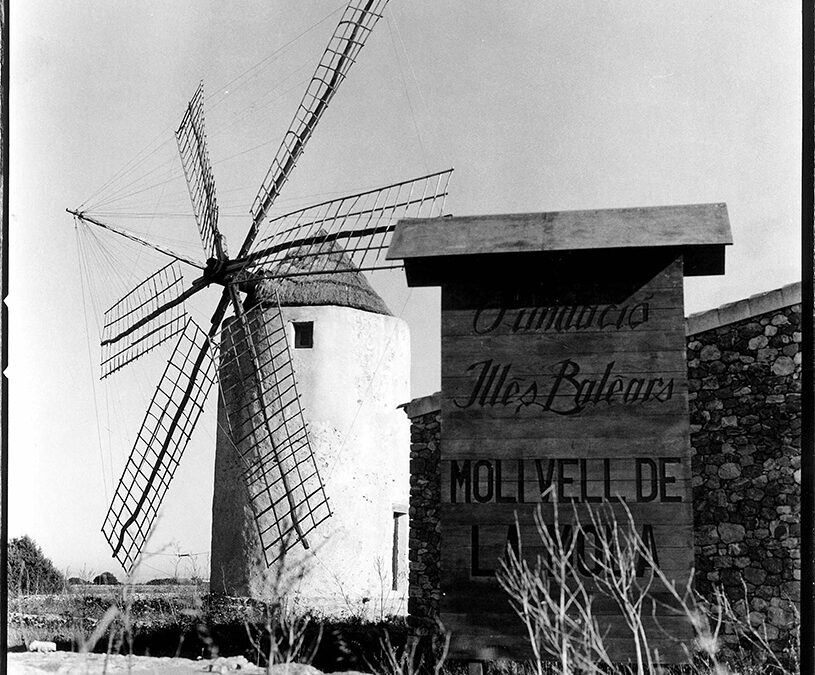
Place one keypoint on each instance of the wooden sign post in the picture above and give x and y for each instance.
(564, 385)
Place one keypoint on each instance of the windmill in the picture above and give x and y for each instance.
(248, 353)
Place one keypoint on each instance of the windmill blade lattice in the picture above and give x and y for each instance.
(162, 438)
(131, 326)
(192, 146)
(268, 430)
(353, 29)
(305, 242)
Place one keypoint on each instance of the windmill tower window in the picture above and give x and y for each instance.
(399, 550)
(303, 334)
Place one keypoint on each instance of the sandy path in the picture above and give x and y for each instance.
(65, 663)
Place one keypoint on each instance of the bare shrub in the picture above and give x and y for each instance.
(557, 607)
(412, 659)
(286, 635)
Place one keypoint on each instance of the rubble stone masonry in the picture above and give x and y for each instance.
(424, 523)
(744, 381)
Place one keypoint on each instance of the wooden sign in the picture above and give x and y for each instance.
(564, 386)
(543, 394)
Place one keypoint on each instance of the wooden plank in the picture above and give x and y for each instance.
(546, 358)
(494, 623)
(489, 481)
(497, 389)
(566, 466)
(556, 359)
(492, 535)
(637, 300)
(645, 305)
(494, 647)
(568, 430)
(602, 605)
(651, 274)
(526, 409)
(463, 646)
(507, 636)
(485, 594)
(657, 293)
(461, 513)
(487, 544)
(553, 344)
(673, 564)
(685, 225)
(625, 318)
(591, 446)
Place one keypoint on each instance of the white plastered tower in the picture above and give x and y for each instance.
(351, 360)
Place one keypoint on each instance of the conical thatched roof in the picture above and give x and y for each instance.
(345, 288)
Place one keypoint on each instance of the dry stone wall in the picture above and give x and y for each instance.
(424, 523)
(744, 381)
(744, 369)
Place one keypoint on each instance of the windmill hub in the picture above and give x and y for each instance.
(216, 271)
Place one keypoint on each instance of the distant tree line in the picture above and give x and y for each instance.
(29, 571)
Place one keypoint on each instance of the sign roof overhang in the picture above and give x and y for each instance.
(432, 245)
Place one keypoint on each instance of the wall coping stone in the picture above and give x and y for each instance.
(760, 303)
(422, 405)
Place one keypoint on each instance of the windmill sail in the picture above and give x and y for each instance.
(162, 438)
(132, 327)
(304, 242)
(192, 146)
(357, 22)
(268, 430)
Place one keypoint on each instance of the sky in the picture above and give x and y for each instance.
(538, 106)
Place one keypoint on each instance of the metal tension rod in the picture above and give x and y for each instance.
(138, 240)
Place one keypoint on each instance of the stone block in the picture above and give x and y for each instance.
(734, 311)
(766, 354)
(710, 353)
(783, 365)
(763, 303)
(791, 294)
(754, 575)
(702, 322)
(757, 342)
(772, 565)
(780, 320)
(729, 470)
(731, 533)
(710, 382)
